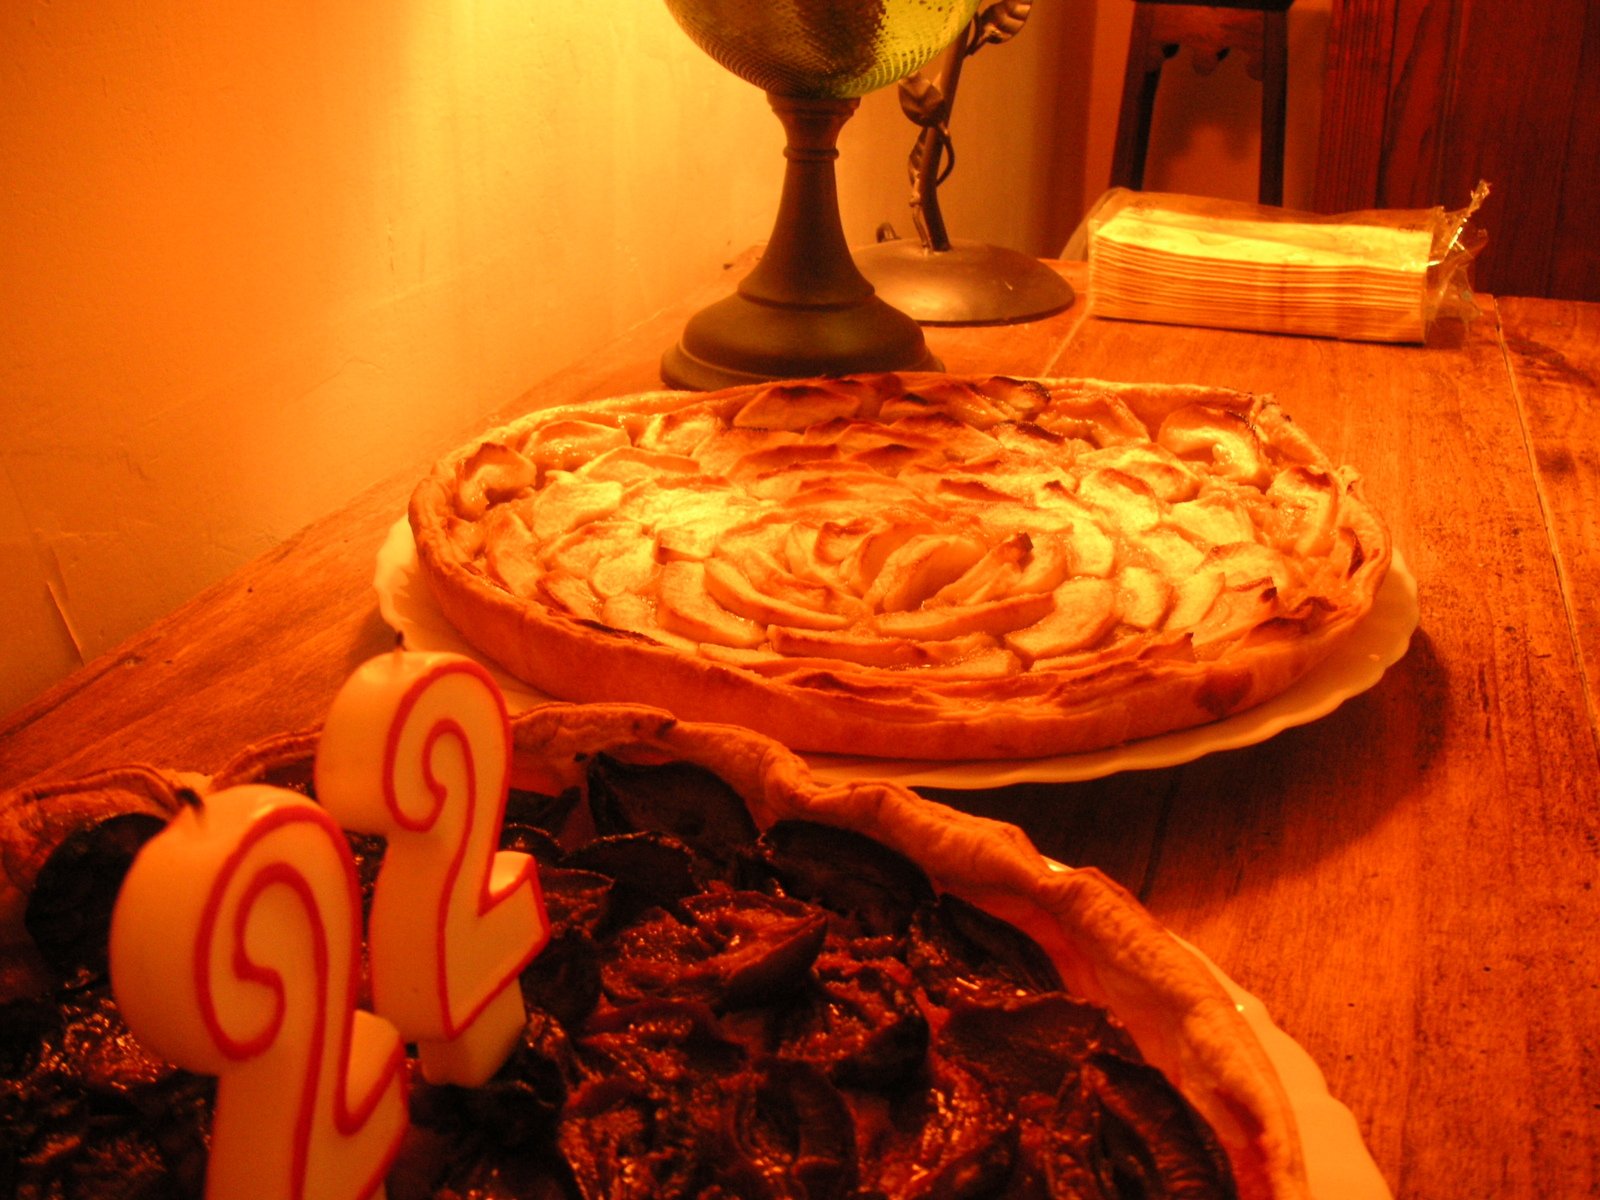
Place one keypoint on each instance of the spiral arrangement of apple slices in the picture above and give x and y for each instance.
(954, 530)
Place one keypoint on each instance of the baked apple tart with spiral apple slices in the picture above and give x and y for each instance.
(907, 566)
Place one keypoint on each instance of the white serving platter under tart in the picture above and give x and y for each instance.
(1378, 642)
(1338, 1165)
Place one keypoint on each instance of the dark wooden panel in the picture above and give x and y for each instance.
(1509, 120)
(1355, 103)
(1421, 78)
(1423, 98)
(1575, 271)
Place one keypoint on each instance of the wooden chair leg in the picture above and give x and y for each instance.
(1210, 31)
(1139, 83)
(1274, 103)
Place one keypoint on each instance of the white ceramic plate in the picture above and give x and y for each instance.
(1338, 1164)
(1376, 644)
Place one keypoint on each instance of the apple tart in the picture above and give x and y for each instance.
(907, 566)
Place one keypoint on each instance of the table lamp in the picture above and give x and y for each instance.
(806, 309)
(936, 279)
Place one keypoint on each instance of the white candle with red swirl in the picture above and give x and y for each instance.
(417, 748)
(235, 952)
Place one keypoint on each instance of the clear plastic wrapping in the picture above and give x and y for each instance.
(1380, 275)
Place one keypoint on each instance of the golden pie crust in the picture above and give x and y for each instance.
(907, 566)
(1108, 949)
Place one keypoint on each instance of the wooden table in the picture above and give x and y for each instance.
(1409, 884)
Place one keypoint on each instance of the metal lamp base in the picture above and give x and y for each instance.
(805, 309)
(739, 340)
(969, 284)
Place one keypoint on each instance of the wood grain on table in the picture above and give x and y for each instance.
(1411, 884)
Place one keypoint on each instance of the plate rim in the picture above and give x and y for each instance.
(1377, 642)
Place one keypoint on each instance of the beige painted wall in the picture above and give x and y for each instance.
(254, 257)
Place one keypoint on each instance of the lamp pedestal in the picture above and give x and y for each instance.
(805, 309)
(935, 280)
(965, 283)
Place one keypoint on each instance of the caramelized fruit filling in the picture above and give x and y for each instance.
(720, 1013)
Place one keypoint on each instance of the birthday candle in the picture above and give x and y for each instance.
(417, 748)
(235, 947)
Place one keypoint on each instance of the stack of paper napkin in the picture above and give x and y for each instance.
(1186, 260)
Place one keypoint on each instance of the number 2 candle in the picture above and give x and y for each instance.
(417, 747)
(235, 952)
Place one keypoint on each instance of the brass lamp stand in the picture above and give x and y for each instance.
(805, 309)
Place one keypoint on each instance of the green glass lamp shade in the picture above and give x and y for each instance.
(822, 49)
